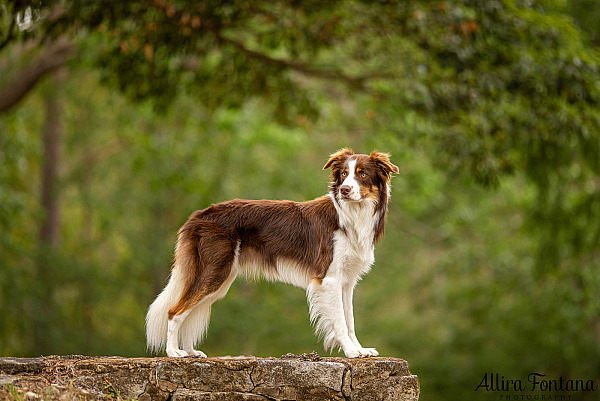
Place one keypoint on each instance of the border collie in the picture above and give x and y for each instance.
(324, 246)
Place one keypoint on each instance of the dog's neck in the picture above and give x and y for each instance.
(361, 221)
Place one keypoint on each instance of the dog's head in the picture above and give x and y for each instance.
(357, 177)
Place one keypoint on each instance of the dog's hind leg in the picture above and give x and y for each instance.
(189, 318)
(195, 326)
(206, 253)
(173, 327)
(190, 326)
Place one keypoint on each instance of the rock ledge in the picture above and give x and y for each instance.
(292, 377)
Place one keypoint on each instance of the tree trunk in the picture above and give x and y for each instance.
(49, 231)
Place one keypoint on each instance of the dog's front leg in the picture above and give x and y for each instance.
(347, 296)
(326, 308)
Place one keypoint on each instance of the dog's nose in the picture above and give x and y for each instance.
(345, 189)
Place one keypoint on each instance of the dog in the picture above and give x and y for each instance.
(324, 246)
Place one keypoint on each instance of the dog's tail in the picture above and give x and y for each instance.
(157, 317)
(182, 274)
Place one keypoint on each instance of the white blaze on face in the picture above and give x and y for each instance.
(350, 181)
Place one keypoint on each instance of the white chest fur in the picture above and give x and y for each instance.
(353, 243)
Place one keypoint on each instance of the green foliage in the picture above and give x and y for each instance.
(587, 16)
(491, 109)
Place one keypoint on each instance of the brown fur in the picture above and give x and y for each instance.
(265, 229)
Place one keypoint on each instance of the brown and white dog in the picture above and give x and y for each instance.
(323, 246)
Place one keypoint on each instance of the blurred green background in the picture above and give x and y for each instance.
(119, 119)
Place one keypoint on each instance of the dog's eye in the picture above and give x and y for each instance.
(363, 175)
(344, 173)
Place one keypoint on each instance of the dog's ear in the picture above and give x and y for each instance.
(383, 163)
(338, 158)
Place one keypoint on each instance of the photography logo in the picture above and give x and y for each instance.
(537, 386)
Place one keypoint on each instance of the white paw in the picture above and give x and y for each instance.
(176, 353)
(368, 352)
(196, 353)
(361, 353)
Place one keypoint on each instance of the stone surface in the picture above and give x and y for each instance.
(21, 365)
(304, 377)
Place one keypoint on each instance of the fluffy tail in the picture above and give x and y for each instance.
(158, 314)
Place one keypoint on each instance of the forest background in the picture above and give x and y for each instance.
(119, 119)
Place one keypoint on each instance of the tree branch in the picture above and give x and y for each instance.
(56, 55)
(354, 82)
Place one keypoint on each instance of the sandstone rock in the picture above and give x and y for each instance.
(304, 377)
